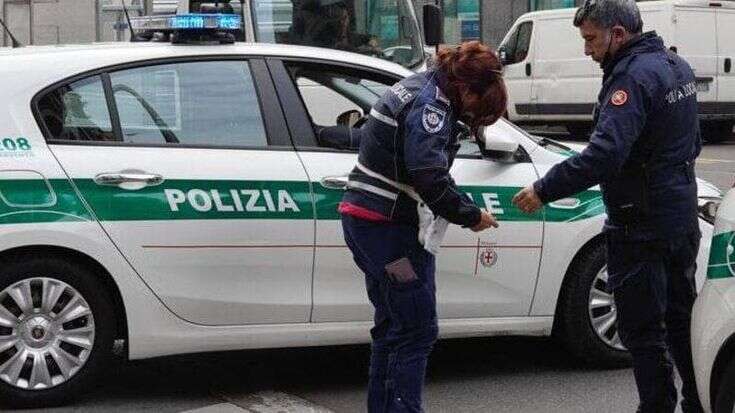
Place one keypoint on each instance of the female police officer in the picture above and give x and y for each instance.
(407, 147)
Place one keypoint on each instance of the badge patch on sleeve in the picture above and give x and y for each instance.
(433, 119)
(619, 98)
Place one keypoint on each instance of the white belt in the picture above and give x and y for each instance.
(407, 189)
(431, 229)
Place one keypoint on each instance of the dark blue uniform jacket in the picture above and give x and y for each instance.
(411, 138)
(646, 138)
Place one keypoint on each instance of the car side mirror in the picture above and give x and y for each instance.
(495, 146)
(433, 25)
(349, 118)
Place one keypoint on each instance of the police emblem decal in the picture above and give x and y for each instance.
(433, 119)
(488, 257)
(619, 98)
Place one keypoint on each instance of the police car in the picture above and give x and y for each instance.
(174, 198)
(713, 324)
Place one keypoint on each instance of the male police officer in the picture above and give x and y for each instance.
(642, 153)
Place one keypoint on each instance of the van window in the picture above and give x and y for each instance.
(518, 44)
(524, 42)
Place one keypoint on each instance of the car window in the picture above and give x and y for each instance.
(328, 94)
(203, 103)
(77, 111)
(315, 95)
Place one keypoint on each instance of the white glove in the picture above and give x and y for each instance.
(431, 229)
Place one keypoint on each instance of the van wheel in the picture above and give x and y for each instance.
(57, 329)
(717, 132)
(725, 397)
(580, 131)
(587, 315)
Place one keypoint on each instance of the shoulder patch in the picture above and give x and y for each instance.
(619, 98)
(401, 92)
(440, 96)
(433, 119)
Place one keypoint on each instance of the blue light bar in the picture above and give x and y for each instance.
(205, 21)
(183, 22)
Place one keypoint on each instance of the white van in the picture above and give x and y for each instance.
(551, 81)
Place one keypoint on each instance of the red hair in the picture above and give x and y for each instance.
(475, 68)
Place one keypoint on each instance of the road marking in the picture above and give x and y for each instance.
(709, 160)
(711, 172)
(218, 408)
(273, 402)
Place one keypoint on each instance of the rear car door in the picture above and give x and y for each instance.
(492, 274)
(188, 168)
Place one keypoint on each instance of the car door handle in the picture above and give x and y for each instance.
(528, 69)
(120, 178)
(728, 65)
(566, 203)
(334, 182)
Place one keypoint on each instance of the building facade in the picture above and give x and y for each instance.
(42, 22)
(497, 16)
(79, 21)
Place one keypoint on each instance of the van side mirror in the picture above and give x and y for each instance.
(433, 25)
(495, 146)
(503, 55)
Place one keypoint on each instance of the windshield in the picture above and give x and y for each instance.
(387, 29)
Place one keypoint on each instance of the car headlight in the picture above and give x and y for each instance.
(707, 208)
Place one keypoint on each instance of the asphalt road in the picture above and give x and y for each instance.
(477, 375)
(472, 375)
(716, 164)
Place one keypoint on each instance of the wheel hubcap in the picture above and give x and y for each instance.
(603, 313)
(38, 333)
(46, 333)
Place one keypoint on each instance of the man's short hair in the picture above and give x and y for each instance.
(609, 13)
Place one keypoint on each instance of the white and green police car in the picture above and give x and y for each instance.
(174, 198)
(713, 324)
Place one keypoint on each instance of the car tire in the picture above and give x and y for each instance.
(63, 317)
(717, 132)
(577, 319)
(725, 397)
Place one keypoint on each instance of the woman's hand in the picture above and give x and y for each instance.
(487, 220)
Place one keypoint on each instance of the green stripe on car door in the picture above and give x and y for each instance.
(236, 199)
(722, 256)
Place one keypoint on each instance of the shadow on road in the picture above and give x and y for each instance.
(188, 378)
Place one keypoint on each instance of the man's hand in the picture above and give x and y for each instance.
(527, 200)
(487, 220)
